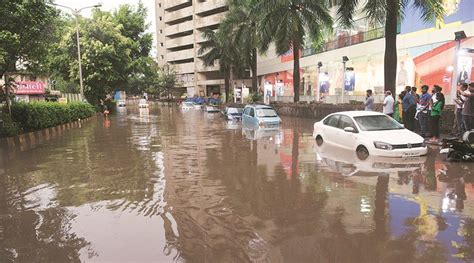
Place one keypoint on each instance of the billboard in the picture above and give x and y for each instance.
(29, 88)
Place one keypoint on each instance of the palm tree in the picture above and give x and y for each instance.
(287, 22)
(219, 47)
(241, 24)
(390, 13)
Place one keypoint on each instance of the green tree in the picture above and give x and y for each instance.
(221, 48)
(286, 23)
(24, 37)
(241, 23)
(389, 13)
(167, 81)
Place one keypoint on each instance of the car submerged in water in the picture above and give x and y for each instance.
(368, 133)
(262, 116)
(232, 113)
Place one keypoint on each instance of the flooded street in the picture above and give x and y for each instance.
(186, 186)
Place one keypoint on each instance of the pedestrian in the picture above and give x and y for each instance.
(458, 126)
(415, 94)
(369, 101)
(468, 109)
(388, 103)
(437, 105)
(398, 108)
(409, 109)
(422, 111)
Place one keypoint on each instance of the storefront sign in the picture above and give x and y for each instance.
(29, 87)
(62, 100)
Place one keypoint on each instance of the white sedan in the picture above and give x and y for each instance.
(368, 133)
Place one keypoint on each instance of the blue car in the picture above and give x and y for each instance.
(262, 116)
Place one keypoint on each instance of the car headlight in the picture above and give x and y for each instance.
(383, 146)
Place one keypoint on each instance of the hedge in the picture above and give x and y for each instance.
(40, 115)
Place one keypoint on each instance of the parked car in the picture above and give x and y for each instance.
(260, 116)
(121, 103)
(368, 133)
(187, 105)
(233, 113)
(143, 103)
(211, 109)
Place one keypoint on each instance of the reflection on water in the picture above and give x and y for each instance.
(162, 185)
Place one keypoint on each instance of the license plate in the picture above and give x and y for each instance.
(410, 154)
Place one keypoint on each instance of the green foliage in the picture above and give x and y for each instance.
(7, 126)
(254, 97)
(114, 50)
(40, 115)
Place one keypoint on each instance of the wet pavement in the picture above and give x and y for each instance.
(170, 186)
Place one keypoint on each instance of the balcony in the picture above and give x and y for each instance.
(209, 5)
(170, 4)
(179, 42)
(178, 14)
(179, 28)
(209, 20)
(180, 55)
(184, 68)
(199, 36)
(201, 68)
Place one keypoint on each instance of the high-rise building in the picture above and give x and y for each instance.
(180, 24)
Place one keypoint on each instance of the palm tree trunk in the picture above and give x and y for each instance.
(226, 86)
(296, 71)
(390, 61)
(254, 71)
(7, 92)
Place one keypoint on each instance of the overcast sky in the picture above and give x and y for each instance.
(109, 5)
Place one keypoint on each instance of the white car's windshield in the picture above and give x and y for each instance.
(377, 123)
(234, 110)
(266, 113)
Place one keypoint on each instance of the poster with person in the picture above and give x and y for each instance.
(324, 82)
(349, 80)
(464, 70)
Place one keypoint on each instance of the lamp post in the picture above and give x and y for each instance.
(458, 37)
(318, 95)
(344, 61)
(76, 13)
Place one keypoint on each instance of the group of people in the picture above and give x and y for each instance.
(424, 108)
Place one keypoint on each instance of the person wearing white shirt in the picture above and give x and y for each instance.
(388, 104)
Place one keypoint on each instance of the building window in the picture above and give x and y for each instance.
(159, 5)
(161, 44)
(161, 18)
(161, 31)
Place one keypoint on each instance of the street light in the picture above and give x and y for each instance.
(344, 61)
(76, 13)
(458, 37)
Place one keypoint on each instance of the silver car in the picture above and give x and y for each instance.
(262, 116)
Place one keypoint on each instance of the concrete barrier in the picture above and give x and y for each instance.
(317, 111)
(29, 140)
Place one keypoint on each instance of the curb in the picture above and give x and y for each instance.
(29, 140)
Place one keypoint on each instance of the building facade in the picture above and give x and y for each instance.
(180, 26)
(427, 54)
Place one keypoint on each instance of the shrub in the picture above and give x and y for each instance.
(40, 115)
(7, 126)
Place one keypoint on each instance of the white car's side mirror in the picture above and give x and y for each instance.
(349, 129)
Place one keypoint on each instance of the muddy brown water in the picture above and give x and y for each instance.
(162, 185)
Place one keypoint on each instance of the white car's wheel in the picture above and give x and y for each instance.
(319, 140)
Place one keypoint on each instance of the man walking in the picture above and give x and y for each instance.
(369, 101)
(422, 112)
(409, 109)
(388, 103)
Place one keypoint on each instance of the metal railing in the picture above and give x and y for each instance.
(345, 41)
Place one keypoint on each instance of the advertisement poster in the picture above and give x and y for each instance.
(349, 80)
(324, 83)
(464, 70)
(280, 88)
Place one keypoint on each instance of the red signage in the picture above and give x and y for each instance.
(29, 87)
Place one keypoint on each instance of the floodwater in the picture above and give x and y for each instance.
(170, 186)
